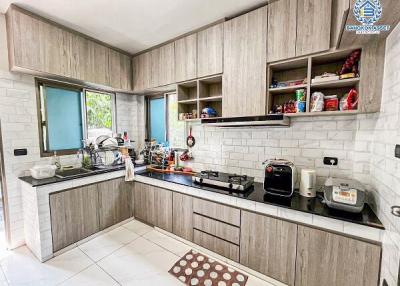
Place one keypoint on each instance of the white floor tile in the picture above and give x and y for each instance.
(107, 243)
(170, 244)
(22, 268)
(138, 261)
(92, 276)
(138, 227)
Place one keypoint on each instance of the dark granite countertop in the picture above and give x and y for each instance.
(307, 205)
(53, 180)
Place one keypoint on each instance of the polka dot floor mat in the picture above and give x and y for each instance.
(197, 269)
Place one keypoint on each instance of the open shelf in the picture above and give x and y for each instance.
(350, 82)
(307, 68)
(286, 89)
(198, 94)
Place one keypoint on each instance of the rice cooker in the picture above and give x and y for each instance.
(346, 195)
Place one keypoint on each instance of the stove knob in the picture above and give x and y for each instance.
(230, 186)
(201, 180)
(269, 169)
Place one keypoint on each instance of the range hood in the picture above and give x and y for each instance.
(272, 120)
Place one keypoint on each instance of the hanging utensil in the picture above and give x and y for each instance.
(190, 141)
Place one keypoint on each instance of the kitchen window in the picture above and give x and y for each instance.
(157, 119)
(70, 114)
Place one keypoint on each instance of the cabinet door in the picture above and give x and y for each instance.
(144, 203)
(114, 202)
(330, 259)
(97, 64)
(313, 26)
(210, 50)
(55, 49)
(268, 245)
(245, 64)
(163, 208)
(182, 214)
(119, 70)
(141, 70)
(24, 40)
(186, 58)
(163, 65)
(74, 215)
(282, 23)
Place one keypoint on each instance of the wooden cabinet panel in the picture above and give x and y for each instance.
(182, 215)
(74, 215)
(331, 259)
(24, 40)
(144, 203)
(282, 22)
(115, 198)
(119, 70)
(313, 26)
(55, 46)
(141, 70)
(214, 210)
(186, 58)
(163, 208)
(268, 245)
(222, 230)
(210, 51)
(96, 70)
(217, 245)
(245, 64)
(163, 65)
(371, 68)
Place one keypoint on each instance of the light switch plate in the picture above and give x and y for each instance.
(397, 151)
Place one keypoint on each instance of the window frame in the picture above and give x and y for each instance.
(39, 82)
(113, 109)
(148, 123)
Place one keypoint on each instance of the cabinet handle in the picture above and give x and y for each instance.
(396, 211)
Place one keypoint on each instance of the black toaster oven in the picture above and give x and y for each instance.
(280, 178)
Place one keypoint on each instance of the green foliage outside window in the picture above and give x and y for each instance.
(99, 110)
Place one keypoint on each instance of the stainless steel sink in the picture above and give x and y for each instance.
(72, 173)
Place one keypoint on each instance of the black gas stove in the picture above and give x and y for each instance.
(224, 180)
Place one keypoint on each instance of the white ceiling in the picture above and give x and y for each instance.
(134, 25)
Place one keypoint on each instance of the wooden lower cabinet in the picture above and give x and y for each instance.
(329, 259)
(216, 244)
(143, 203)
(163, 208)
(153, 205)
(74, 215)
(182, 215)
(217, 211)
(268, 245)
(115, 198)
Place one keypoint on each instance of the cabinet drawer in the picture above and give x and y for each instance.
(214, 210)
(222, 230)
(217, 245)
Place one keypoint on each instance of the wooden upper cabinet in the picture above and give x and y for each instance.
(210, 51)
(313, 26)
(268, 245)
(23, 41)
(163, 65)
(328, 259)
(282, 22)
(245, 64)
(97, 64)
(186, 58)
(119, 70)
(141, 71)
